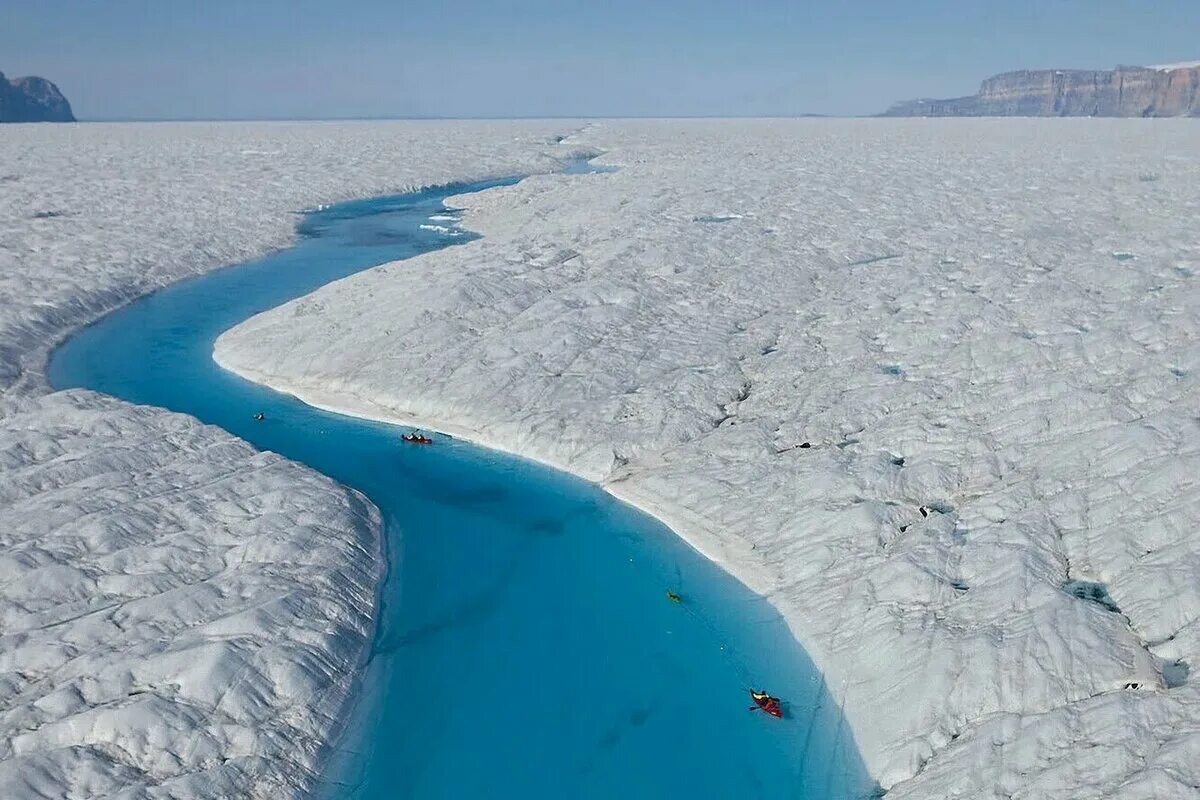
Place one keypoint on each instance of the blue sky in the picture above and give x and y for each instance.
(300, 59)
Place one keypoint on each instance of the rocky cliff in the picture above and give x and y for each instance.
(1172, 91)
(32, 99)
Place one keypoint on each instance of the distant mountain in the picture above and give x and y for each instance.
(1171, 90)
(32, 99)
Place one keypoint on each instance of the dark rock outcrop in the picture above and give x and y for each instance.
(1120, 92)
(32, 99)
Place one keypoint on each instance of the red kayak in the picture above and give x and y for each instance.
(416, 438)
(765, 703)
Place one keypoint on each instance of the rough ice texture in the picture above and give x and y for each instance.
(180, 615)
(94, 215)
(931, 385)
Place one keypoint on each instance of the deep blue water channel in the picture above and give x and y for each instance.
(526, 646)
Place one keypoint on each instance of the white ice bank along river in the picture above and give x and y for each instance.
(992, 321)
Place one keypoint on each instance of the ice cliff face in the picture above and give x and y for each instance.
(32, 99)
(930, 387)
(180, 616)
(1121, 92)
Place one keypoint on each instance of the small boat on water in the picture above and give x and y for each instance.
(416, 438)
(765, 703)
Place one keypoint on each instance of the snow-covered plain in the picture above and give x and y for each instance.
(180, 615)
(929, 384)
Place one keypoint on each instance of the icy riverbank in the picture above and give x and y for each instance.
(929, 384)
(180, 615)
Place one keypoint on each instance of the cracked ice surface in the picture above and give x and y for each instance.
(995, 405)
(180, 615)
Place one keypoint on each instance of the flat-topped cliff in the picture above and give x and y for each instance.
(1171, 91)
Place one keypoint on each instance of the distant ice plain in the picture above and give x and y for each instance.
(987, 331)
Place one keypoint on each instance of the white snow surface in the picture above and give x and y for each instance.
(180, 615)
(987, 331)
(1173, 67)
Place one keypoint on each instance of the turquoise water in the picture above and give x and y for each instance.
(526, 647)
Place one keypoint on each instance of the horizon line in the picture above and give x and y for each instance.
(469, 118)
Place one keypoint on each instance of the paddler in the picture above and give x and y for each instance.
(766, 703)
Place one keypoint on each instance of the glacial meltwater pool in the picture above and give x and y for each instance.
(526, 647)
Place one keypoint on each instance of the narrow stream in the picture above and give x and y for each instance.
(526, 645)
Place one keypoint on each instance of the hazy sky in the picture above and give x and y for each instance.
(301, 59)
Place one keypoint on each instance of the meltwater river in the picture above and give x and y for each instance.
(526, 647)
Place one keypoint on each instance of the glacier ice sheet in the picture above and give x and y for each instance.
(903, 388)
